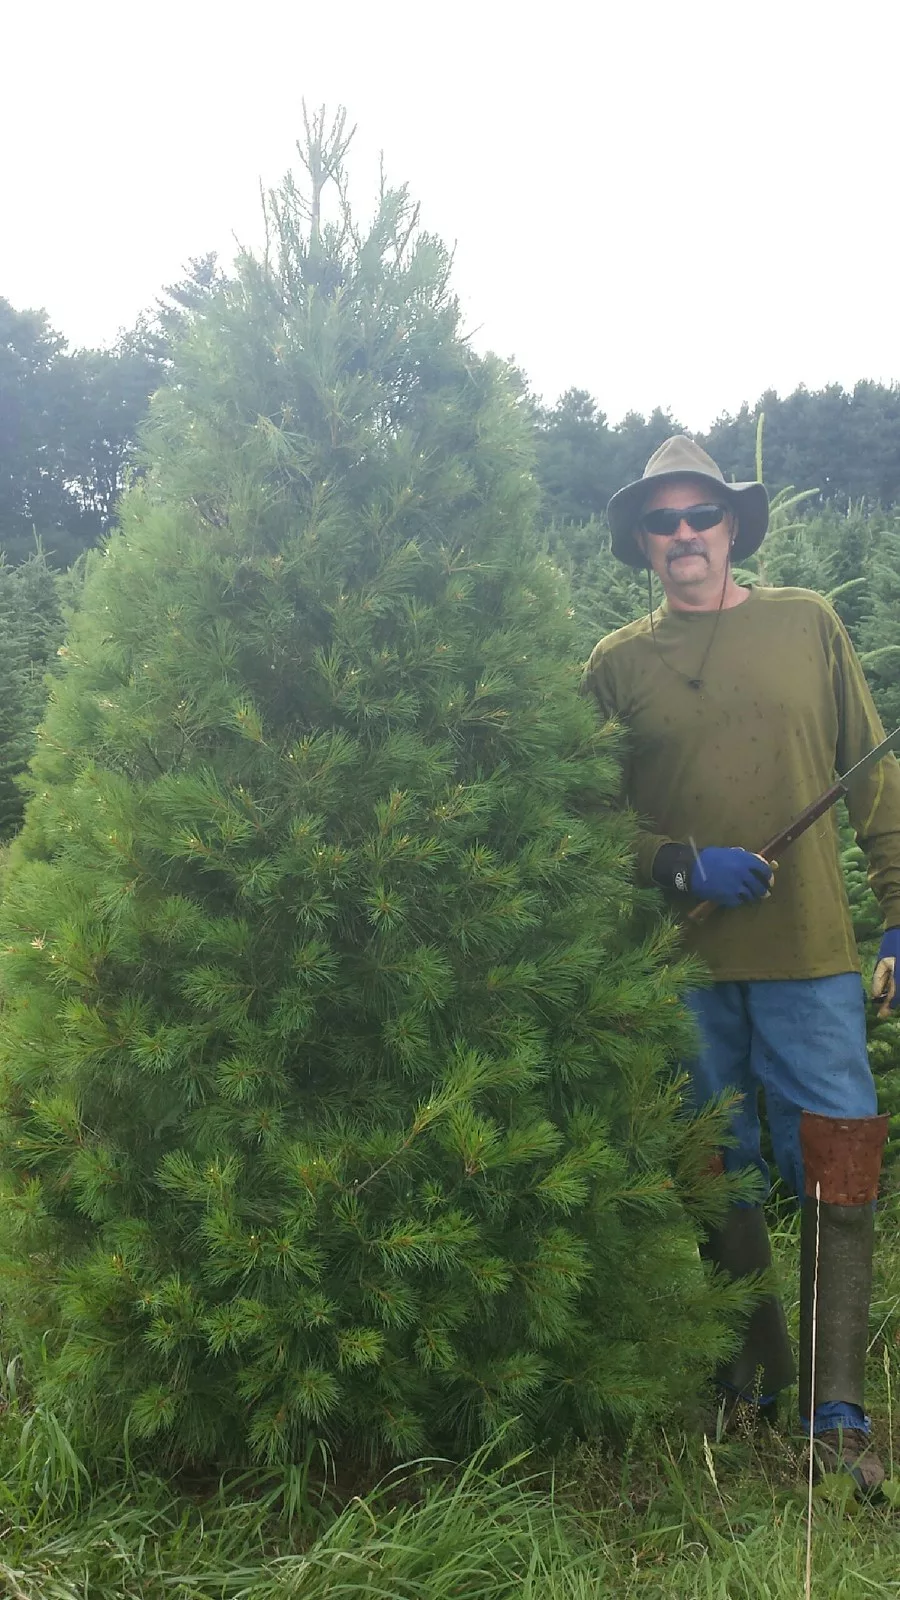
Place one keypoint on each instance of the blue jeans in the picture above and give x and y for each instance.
(802, 1041)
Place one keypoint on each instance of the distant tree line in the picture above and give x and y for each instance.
(69, 424)
(69, 421)
(844, 444)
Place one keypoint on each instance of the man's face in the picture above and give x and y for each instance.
(686, 559)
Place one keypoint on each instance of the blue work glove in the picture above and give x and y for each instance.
(884, 983)
(731, 877)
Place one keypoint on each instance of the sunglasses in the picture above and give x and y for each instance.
(668, 519)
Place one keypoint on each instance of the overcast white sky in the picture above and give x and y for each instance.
(677, 204)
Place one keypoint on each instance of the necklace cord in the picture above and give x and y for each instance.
(696, 682)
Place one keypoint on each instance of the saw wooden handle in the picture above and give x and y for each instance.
(703, 910)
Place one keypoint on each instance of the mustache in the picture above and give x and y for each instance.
(686, 548)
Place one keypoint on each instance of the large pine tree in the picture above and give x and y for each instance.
(338, 1091)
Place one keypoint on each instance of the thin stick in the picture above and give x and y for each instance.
(700, 866)
(812, 1404)
(886, 1358)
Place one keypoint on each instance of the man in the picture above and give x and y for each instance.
(740, 705)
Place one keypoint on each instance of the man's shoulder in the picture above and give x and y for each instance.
(797, 600)
(621, 639)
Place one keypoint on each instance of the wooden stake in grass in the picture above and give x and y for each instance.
(812, 1404)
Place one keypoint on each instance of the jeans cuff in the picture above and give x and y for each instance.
(837, 1414)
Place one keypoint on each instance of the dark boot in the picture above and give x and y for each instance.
(764, 1364)
(843, 1157)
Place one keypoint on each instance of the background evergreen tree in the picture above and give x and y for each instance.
(338, 1092)
(880, 632)
(31, 629)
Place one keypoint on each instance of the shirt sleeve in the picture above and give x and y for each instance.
(874, 800)
(599, 680)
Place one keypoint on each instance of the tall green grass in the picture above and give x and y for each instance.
(480, 1535)
(678, 1517)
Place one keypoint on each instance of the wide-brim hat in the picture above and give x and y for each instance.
(680, 457)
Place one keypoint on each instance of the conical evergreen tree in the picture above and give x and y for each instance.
(338, 1093)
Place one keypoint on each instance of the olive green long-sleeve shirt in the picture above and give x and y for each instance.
(784, 707)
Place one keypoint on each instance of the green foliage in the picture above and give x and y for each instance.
(337, 1084)
(671, 1516)
(31, 628)
(69, 419)
(880, 633)
(844, 441)
(32, 476)
(68, 422)
(883, 1033)
(691, 1520)
(581, 460)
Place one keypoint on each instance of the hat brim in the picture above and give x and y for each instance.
(749, 502)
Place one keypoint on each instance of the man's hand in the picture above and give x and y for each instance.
(732, 877)
(884, 983)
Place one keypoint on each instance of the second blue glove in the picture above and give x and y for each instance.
(731, 877)
(884, 984)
